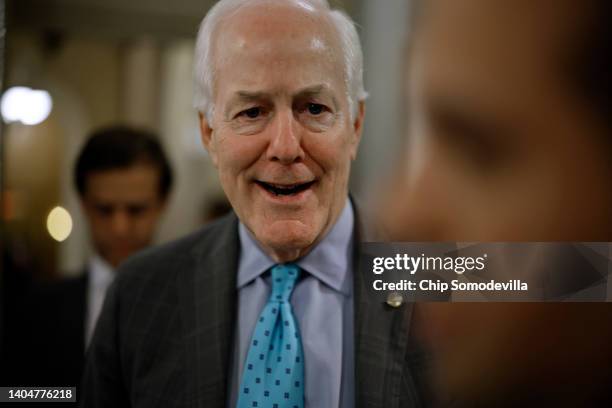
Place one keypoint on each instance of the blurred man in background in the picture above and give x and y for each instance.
(123, 179)
(510, 139)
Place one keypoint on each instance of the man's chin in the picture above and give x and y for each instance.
(285, 241)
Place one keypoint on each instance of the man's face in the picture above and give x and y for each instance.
(501, 145)
(503, 148)
(281, 136)
(122, 206)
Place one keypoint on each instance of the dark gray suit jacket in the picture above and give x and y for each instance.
(165, 334)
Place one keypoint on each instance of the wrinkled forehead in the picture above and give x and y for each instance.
(272, 28)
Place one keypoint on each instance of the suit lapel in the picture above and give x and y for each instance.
(381, 340)
(208, 307)
(208, 301)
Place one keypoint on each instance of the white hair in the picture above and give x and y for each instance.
(204, 68)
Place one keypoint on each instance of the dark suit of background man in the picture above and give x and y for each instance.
(196, 323)
(123, 179)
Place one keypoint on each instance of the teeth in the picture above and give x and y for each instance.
(278, 189)
(284, 186)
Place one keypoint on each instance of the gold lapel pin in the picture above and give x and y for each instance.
(395, 299)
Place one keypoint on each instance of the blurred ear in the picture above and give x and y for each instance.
(206, 133)
(357, 129)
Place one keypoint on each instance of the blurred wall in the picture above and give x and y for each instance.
(384, 26)
(82, 76)
(196, 181)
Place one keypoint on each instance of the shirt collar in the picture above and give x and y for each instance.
(101, 273)
(329, 261)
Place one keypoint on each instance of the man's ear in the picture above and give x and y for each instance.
(357, 129)
(206, 133)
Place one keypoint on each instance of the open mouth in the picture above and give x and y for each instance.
(285, 189)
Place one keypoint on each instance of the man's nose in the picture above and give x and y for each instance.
(285, 139)
(120, 223)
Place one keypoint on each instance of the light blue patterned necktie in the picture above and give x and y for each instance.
(273, 374)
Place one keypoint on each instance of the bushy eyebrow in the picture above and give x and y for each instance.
(254, 96)
(317, 90)
(250, 96)
(241, 97)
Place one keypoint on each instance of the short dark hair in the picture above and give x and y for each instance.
(119, 147)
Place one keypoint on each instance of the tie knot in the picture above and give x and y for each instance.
(283, 281)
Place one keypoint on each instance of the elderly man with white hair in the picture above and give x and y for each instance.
(264, 308)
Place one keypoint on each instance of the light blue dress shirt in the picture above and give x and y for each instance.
(322, 303)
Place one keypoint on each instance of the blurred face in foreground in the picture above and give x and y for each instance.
(503, 147)
(502, 144)
(281, 136)
(123, 207)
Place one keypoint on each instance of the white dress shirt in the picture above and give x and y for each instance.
(101, 274)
